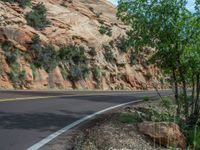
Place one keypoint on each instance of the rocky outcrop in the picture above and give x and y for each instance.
(166, 134)
(74, 22)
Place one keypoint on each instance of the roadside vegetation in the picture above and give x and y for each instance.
(174, 32)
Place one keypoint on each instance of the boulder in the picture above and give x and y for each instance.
(164, 133)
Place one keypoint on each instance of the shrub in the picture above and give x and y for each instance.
(73, 54)
(37, 17)
(17, 76)
(34, 73)
(78, 72)
(108, 54)
(133, 59)
(48, 58)
(64, 73)
(13, 75)
(130, 117)
(148, 76)
(45, 57)
(105, 30)
(156, 116)
(194, 137)
(96, 73)
(22, 3)
(166, 102)
(122, 44)
(146, 99)
(92, 52)
(10, 52)
(75, 57)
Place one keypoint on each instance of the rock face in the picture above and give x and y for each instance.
(74, 22)
(166, 134)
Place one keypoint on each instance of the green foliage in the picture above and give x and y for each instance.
(173, 31)
(78, 72)
(45, 57)
(108, 54)
(194, 137)
(92, 52)
(64, 73)
(133, 59)
(122, 44)
(130, 118)
(166, 102)
(16, 75)
(73, 54)
(34, 72)
(105, 30)
(156, 116)
(10, 53)
(48, 58)
(22, 3)
(96, 73)
(13, 75)
(37, 17)
(146, 99)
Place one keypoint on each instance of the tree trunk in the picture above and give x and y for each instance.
(193, 91)
(176, 93)
(50, 80)
(184, 88)
(197, 95)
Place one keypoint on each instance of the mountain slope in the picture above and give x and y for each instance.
(74, 22)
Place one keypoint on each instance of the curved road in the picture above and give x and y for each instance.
(36, 114)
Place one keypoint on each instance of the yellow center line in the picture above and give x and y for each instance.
(46, 97)
(32, 98)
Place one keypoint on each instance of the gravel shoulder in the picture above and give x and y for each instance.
(106, 132)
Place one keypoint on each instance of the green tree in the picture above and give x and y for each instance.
(163, 25)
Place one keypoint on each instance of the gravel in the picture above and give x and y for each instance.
(107, 132)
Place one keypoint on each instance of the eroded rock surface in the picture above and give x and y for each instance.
(75, 22)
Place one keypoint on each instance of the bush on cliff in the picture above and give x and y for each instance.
(22, 3)
(37, 17)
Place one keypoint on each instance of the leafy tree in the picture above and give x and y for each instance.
(165, 26)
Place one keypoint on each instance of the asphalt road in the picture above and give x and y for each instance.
(27, 121)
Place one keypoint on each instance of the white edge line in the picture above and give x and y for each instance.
(68, 127)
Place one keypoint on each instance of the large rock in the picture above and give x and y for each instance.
(166, 134)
